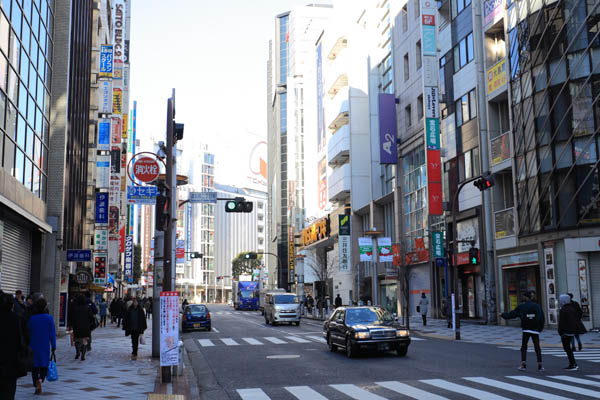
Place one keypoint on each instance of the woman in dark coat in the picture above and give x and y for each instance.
(81, 320)
(43, 337)
(10, 341)
(134, 324)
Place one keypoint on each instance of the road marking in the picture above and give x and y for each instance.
(576, 380)
(252, 341)
(416, 338)
(318, 338)
(205, 342)
(594, 376)
(284, 356)
(230, 342)
(215, 330)
(410, 391)
(297, 339)
(516, 389)
(559, 386)
(253, 394)
(356, 393)
(465, 390)
(275, 340)
(304, 393)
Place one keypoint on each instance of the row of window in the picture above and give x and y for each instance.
(466, 108)
(463, 52)
(416, 10)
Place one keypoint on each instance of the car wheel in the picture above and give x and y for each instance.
(332, 347)
(401, 351)
(297, 323)
(350, 353)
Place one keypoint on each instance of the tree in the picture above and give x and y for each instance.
(322, 266)
(241, 266)
(137, 263)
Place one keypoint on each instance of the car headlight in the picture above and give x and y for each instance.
(362, 335)
(402, 333)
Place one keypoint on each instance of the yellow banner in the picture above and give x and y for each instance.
(117, 101)
(496, 76)
(125, 126)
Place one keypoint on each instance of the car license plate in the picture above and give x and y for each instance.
(196, 325)
(384, 346)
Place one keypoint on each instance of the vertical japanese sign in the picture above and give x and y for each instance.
(291, 255)
(551, 294)
(100, 268)
(396, 255)
(365, 247)
(106, 61)
(437, 239)
(106, 103)
(118, 38)
(388, 130)
(102, 208)
(384, 249)
(169, 328)
(322, 190)
(104, 134)
(320, 93)
(102, 172)
(431, 106)
(117, 101)
(129, 258)
(345, 244)
(101, 239)
(180, 251)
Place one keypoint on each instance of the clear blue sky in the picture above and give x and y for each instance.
(214, 54)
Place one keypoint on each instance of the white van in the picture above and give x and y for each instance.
(282, 307)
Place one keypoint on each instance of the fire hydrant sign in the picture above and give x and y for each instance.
(146, 169)
(169, 328)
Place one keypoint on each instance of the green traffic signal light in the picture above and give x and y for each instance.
(230, 206)
(250, 256)
(474, 256)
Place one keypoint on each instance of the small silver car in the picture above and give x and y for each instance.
(282, 307)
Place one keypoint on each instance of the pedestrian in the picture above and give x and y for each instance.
(184, 304)
(338, 301)
(581, 326)
(94, 310)
(11, 338)
(81, 320)
(120, 311)
(532, 323)
(19, 305)
(134, 324)
(149, 307)
(103, 308)
(111, 310)
(423, 306)
(568, 327)
(43, 338)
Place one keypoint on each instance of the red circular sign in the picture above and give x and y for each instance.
(146, 169)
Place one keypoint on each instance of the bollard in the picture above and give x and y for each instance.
(180, 365)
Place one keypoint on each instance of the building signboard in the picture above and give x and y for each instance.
(106, 103)
(100, 268)
(388, 131)
(117, 102)
(396, 255)
(103, 135)
(551, 290)
(102, 172)
(106, 61)
(384, 249)
(291, 255)
(497, 76)
(365, 248)
(180, 251)
(116, 133)
(317, 231)
(129, 258)
(432, 109)
(79, 255)
(437, 239)
(429, 47)
(101, 215)
(467, 230)
(345, 243)
(101, 239)
(492, 11)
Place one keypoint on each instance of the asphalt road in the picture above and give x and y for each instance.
(243, 358)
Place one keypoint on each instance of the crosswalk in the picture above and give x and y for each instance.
(591, 355)
(253, 341)
(552, 387)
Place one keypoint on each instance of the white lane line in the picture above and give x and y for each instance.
(576, 380)
(274, 340)
(516, 389)
(253, 394)
(410, 391)
(297, 339)
(594, 376)
(356, 393)
(559, 386)
(304, 393)
(230, 342)
(465, 390)
(416, 338)
(205, 342)
(252, 341)
(318, 338)
(215, 330)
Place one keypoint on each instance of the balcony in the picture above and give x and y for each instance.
(341, 80)
(504, 228)
(338, 147)
(501, 152)
(336, 111)
(340, 43)
(338, 184)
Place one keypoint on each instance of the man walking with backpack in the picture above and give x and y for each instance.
(532, 323)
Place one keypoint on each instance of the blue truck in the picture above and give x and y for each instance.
(245, 295)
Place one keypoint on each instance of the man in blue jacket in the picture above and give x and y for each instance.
(532, 323)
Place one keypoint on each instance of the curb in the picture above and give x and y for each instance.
(182, 386)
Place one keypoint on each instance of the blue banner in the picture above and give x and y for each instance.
(388, 152)
(129, 258)
(142, 194)
(102, 208)
(79, 255)
(104, 135)
(106, 61)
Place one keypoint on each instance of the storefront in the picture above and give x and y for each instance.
(520, 275)
(388, 295)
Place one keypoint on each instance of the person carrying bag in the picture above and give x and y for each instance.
(52, 370)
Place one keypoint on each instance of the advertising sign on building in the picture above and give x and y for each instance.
(365, 247)
(319, 230)
(345, 243)
(119, 37)
(291, 254)
(496, 76)
(115, 162)
(106, 102)
(492, 11)
(113, 223)
(117, 101)
(129, 258)
(106, 61)
(397, 255)
(83, 255)
(438, 244)
(388, 151)
(103, 135)
(551, 289)
(180, 251)
(432, 109)
(100, 268)
(142, 194)
(467, 230)
(116, 133)
(101, 239)
(101, 208)
(102, 172)
(169, 328)
(114, 192)
(322, 173)
(384, 249)
(429, 47)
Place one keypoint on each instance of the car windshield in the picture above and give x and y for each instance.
(196, 309)
(286, 299)
(368, 316)
(247, 293)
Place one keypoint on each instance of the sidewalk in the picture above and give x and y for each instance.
(107, 372)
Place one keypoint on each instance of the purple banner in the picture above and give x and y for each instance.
(388, 152)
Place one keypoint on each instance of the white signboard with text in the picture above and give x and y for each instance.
(169, 328)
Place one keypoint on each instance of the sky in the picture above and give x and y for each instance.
(214, 54)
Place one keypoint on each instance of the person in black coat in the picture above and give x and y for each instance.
(581, 328)
(569, 325)
(10, 341)
(134, 324)
(81, 320)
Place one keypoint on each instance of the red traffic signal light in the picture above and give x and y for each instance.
(486, 181)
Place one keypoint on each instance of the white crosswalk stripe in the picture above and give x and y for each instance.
(297, 339)
(495, 389)
(318, 338)
(416, 338)
(205, 342)
(252, 341)
(275, 340)
(230, 342)
(591, 355)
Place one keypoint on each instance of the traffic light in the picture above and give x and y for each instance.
(177, 131)
(485, 182)
(250, 256)
(160, 212)
(219, 278)
(238, 205)
(195, 254)
(473, 256)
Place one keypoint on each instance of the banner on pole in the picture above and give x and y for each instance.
(169, 328)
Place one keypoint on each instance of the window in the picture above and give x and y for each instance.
(417, 8)
(420, 107)
(415, 198)
(463, 52)
(418, 55)
(406, 67)
(408, 115)
(466, 108)
(458, 6)
(468, 164)
(404, 19)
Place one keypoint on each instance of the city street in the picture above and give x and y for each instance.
(242, 357)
